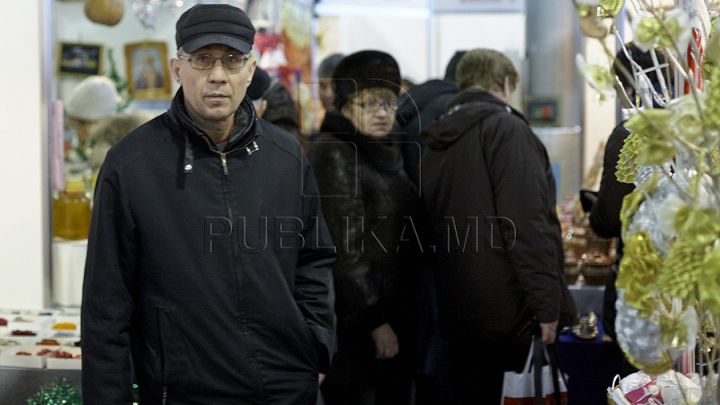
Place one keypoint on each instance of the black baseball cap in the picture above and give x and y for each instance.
(206, 24)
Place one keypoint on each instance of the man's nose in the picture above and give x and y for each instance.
(218, 71)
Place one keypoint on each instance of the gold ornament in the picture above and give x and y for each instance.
(612, 7)
(590, 24)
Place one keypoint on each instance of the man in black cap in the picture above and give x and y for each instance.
(208, 269)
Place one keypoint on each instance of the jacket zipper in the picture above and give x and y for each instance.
(223, 155)
(251, 147)
(223, 159)
(164, 398)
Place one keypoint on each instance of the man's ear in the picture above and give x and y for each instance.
(251, 68)
(175, 70)
(507, 91)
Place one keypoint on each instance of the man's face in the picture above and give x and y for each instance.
(212, 96)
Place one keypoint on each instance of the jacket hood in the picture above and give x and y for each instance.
(418, 97)
(465, 110)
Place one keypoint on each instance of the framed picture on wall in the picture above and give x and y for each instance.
(80, 59)
(148, 74)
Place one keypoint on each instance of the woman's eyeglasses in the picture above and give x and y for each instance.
(372, 106)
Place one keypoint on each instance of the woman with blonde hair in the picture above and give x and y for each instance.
(368, 200)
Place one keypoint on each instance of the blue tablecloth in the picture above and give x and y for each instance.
(590, 365)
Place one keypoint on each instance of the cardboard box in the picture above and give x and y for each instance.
(6, 343)
(26, 340)
(65, 363)
(65, 338)
(9, 357)
(30, 322)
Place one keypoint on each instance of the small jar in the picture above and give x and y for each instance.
(72, 212)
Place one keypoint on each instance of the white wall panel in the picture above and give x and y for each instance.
(23, 180)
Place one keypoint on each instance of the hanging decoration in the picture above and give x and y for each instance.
(106, 12)
(669, 276)
(147, 11)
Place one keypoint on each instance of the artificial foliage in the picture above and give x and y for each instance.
(668, 307)
(62, 393)
(121, 84)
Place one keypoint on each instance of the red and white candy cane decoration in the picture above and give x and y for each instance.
(700, 22)
(694, 61)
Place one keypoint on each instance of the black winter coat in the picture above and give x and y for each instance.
(370, 206)
(605, 213)
(490, 198)
(605, 218)
(211, 270)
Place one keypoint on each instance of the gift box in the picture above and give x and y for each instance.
(648, 394)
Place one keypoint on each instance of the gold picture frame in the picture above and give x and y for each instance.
(76, 59)
(148, 74)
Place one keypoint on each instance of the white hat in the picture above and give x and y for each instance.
(93, 98)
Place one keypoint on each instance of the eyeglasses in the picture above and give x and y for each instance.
(207, 62)
(372, 106)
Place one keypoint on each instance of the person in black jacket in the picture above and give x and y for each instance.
(274, 104)
(279, 108)
(489, 194)
(419, 107)
(208, 274)
(325, 88)
(369, 203)
(604, 216)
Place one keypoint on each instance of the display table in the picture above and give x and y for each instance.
(67, 271)
(590, 365)
(19, 384)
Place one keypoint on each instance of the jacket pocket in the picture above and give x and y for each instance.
(173, 373)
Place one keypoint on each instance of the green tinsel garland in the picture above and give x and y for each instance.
(61, 394)
(120, 84)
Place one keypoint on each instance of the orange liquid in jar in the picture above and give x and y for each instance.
(72, 212)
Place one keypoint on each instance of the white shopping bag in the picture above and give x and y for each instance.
(519, 388)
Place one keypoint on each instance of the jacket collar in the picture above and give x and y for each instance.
(382, 154)
(242, 133)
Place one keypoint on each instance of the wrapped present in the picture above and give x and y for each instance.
(669, 388)
(648, 394)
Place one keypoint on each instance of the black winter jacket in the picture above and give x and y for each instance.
(211, 270)
(605, 213)
(605, 218)
(489, 193)
(370, 206)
